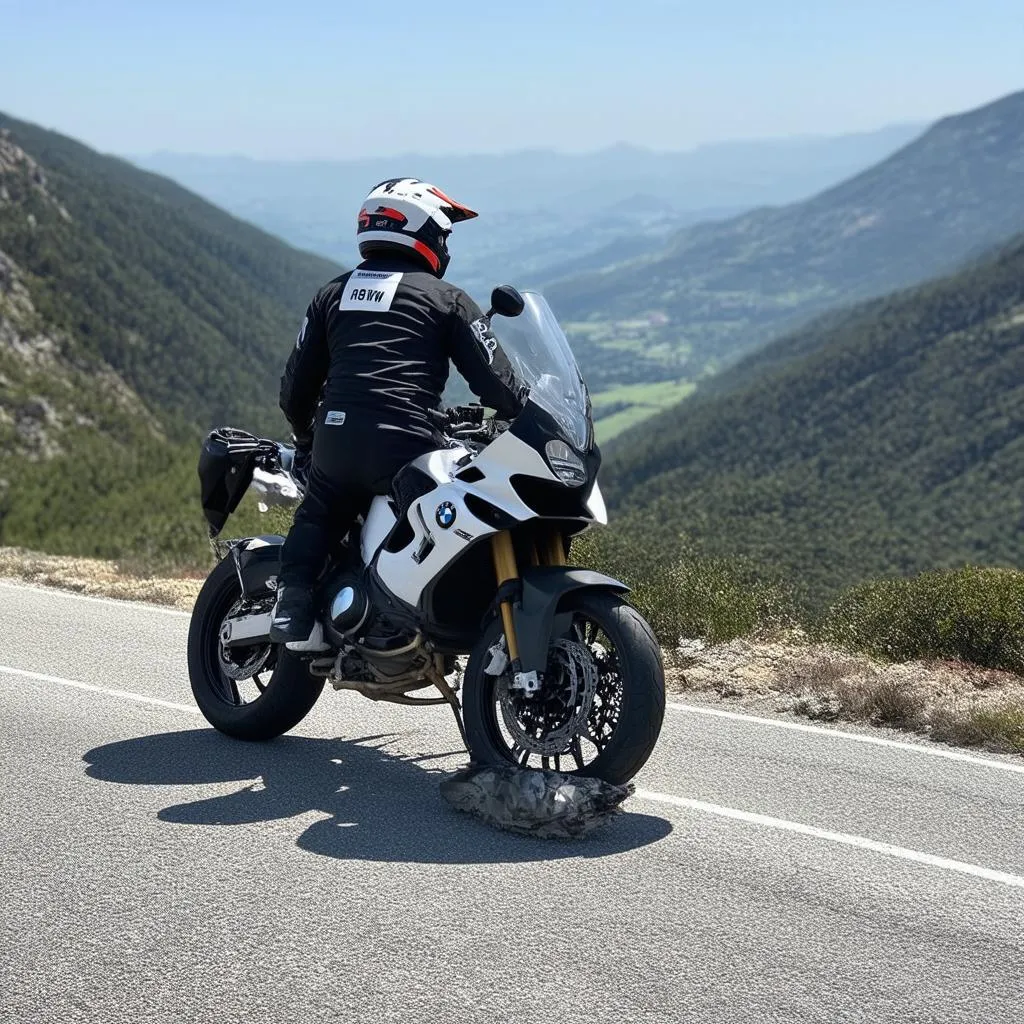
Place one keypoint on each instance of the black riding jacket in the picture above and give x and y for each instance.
(375, 346)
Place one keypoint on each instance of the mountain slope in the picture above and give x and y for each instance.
(718, 290)
(133, 315)
(890, 439)
(193, 308)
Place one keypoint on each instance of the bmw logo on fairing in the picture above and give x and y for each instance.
(445, 515)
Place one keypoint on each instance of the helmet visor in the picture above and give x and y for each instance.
(454, 211)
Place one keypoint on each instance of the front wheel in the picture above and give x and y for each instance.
(600, 707)
(251, 693)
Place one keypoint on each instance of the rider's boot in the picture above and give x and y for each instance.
(293, 621)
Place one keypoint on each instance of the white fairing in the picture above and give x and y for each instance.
(400, 571)
(596, 506)
(378, 525)
(441, 524)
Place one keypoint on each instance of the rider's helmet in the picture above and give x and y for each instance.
(404, 214)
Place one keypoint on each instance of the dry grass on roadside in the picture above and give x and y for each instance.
(96, 577)
(949, 701)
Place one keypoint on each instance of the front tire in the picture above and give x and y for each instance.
(282, 702)
(631, 682)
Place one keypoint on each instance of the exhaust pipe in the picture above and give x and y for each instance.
(246, 630)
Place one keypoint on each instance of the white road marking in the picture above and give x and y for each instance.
(856, 737)
(843, 838)
(137, 698)
(116, 603)
(693, 709)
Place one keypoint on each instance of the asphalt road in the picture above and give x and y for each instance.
(153, 870)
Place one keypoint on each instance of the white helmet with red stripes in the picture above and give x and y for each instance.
(406, 214)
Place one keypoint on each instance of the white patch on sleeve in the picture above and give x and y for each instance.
(302, 333)
(334, 418)
(370, 289)
(488, 342)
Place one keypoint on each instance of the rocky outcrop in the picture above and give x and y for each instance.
(19, 171)
(43, 383)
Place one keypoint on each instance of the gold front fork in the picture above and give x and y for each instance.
(553, 550)
(505, 568)
(549, 550)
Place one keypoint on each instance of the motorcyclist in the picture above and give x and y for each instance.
(367, 371)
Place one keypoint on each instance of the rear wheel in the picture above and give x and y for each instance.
(251, 693)
(601, 704)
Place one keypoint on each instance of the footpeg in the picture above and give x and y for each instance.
(313, 644)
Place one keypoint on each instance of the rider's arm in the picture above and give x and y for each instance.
(305, 373)
(479, 358)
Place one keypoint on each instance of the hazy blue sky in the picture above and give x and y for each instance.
(335, 78)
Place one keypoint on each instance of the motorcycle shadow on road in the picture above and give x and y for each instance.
(375, 805)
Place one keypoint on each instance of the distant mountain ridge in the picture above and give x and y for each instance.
(529, 179)
(538, 207)
(717, 290)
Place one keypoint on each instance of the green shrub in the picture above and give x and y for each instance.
(969, 614)
(998, 728)
(248, 521)
(683, 593)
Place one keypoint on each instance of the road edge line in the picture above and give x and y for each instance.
(749, 817)
(117, 602)
(137, 698)
(840, 734)
(842, 838)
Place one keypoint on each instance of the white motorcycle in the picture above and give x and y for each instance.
(468, 556)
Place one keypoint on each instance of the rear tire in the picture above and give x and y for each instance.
(642, 708)
(290, 694)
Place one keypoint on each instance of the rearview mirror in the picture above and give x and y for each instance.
(506, 301)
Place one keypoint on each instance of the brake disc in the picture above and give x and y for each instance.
(606, 708)
(547, 722)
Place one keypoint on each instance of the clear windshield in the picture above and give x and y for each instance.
(540, 355)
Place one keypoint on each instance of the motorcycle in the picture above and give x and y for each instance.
(459, 580)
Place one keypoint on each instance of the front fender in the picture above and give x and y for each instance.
(544, 586)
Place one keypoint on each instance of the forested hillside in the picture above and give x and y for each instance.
(721, 289)
(886, 440)
(191, 307)
(133, 315)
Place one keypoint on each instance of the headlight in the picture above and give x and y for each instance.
(565, 463)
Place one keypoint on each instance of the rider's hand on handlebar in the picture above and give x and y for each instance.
(471, 415)
(302, 460)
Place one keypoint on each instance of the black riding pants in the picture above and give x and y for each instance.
(352, 462)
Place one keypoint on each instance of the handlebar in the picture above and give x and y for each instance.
(459, 416)
(464, 423)
(274, 456)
